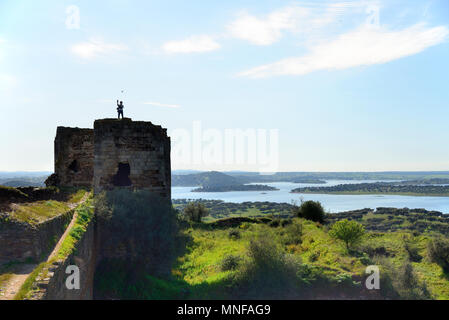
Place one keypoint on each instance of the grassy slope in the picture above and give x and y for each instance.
(201, 263)
(200, 266)
(40, 211)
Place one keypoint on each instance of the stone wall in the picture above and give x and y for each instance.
(52, 281)
(74, 149)
(20, 241)
(132, 154)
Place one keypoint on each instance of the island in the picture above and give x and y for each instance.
(379, 188)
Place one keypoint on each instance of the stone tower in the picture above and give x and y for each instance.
(74, 156)
(133, 154)
(116, 153)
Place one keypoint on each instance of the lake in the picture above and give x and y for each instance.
(332, 203)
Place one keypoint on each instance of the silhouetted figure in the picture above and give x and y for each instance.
(120, 109)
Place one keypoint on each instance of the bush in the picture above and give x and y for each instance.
(268, 272)
(234, 234)
(345, 279)
(310, 210)
(293, 233)
(400, 282)
(286, 222)
(438, 252)
(350, 232)
(411, 247)
(274, 223)
(230, 262)
(408, 285)
(195, 211)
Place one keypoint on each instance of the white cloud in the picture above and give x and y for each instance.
(268, 29)
(307, 20)
(364, 46)
(162, 104)
(201, 43)
(95, 48)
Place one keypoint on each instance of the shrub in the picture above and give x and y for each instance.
(293, 233)
(234, 234)
(230, 262)
(195, 211)
(269, 272)
(400, 282)
(314, 256)
(350, 232)
(411, 247)
(345, 279)
(286, 222)
(310, 210)
(438, 252)
(408, 285)
(274, 223)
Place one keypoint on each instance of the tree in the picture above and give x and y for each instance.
(195, 211)
(438, 252)
(310, 210)
(350, 232)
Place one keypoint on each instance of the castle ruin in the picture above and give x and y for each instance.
(115, 153)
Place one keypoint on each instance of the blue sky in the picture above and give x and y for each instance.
(350, 85)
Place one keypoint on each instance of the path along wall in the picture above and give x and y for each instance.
(52, 280)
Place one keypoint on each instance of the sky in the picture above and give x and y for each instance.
(346, 85)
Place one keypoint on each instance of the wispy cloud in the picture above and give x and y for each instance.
(95, 48)
(302, 19)
(364, 46)
(267, 29)
(158, 104)
(193, 44)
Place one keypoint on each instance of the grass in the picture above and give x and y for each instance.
(4, 278)
(40, 211)
(77, 196)
(28, 286)
(198, 269)
(85, 214)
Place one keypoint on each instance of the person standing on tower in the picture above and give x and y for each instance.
(120, 109)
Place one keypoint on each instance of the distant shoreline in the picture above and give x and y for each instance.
(381, 188)
(355, 193)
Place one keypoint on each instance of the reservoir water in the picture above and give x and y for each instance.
(332, 203)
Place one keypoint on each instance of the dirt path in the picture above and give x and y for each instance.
(9, 289)
(69, 227)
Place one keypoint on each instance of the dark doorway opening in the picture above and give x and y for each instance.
(121, 178)
(74, 166)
